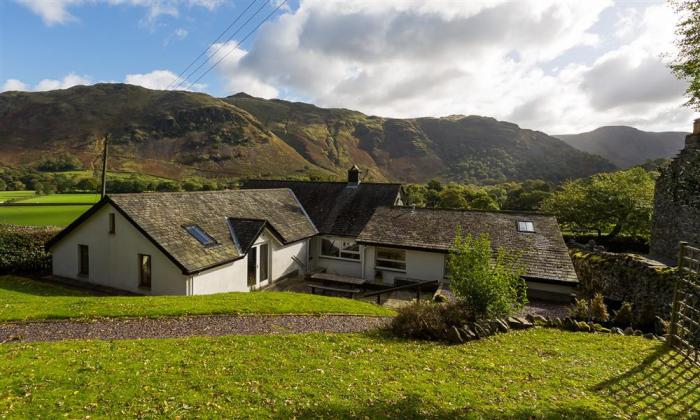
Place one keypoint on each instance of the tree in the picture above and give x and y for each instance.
(3, 185)
(614, 202)
(686, 65)
(489, 283)
(87, 184)
(483, 202)
(452, 198)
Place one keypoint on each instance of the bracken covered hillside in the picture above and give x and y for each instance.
(176, 134)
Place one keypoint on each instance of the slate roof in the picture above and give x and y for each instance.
(544, 252)
(223, 215)
(335, 207)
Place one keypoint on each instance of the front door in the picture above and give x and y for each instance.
(252, 266)
(264, 266)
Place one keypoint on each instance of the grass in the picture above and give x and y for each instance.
(62, 198)
(15, 195)
(26, 299)
(41, 215)
(539, 373)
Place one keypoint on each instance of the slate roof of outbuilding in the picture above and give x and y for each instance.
(335, 207)
(544, 252)
(223, 215)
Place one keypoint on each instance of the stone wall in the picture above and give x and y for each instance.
(646, 284)
(677, 202)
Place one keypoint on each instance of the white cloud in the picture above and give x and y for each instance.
(159, 79)
(13, 84)
(408, 58)
(55, 12)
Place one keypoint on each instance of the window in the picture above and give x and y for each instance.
(112, 223)
(145, 271)
(252, 267)
(84, 260)
(200, 235)
(391, 259)
(526, 227)
(264, 262)
(340, 248)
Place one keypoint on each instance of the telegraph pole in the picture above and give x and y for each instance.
(104, 165)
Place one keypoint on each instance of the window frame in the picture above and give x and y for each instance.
(142, 283)
(196, 228)
(377, 259)
(83, 266)
(526, 223)
(112, 224)
(341, 251)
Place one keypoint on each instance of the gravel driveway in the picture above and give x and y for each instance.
(185, 326)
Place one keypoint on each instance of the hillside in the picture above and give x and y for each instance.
(627, 146)
(177, 134)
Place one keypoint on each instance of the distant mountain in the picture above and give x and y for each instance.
(627, 146)
(178, 134)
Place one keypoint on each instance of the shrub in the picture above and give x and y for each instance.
(489, 283)
(22, 249)
(580, 310)
(599, 311)
(623, 316)
(429, 320)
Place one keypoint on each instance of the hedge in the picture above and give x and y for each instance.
(22, 249)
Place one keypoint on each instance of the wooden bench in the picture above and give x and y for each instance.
(316, 286)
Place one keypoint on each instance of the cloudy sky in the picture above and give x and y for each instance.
(552, 65)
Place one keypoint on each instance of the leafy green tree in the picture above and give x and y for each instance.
(3, 185)
(483, 202)
(489, 283)
(86, 184)
(686, 65)
(452, 198)
(614, 202)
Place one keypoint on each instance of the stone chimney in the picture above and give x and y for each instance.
(693, 140)
(353, 176)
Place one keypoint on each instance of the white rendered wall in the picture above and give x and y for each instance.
(233, 277)
(113, 258)
(343, 267)
(420, 265)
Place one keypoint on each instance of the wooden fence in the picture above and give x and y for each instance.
(685, 315)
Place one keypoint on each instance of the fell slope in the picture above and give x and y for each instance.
(627, 146)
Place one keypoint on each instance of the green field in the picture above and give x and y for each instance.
(62, 198)
(15, 195)
(24, 299)
(40, 215)
(538, 373)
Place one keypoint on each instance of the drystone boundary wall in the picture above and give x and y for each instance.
(646, 284)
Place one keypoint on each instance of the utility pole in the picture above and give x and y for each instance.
(104, 166)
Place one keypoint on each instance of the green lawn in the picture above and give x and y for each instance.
(63, 198)
(24, 299)
(539, 373)
(40, 215)
(15, 195)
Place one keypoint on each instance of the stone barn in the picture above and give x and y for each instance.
(677, 201)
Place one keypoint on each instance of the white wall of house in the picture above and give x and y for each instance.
(420, 265)
(343, 267)
(113, 258)
(233, 277)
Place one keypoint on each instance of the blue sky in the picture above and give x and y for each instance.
(552, 65)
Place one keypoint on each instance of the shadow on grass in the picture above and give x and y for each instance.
(412, 407)
(41, 287)
(665, 384)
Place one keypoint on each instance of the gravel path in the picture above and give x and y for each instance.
(185, 326)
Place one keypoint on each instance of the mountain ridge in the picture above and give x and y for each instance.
(178, 134)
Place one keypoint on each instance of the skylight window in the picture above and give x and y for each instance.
(526, 227)
(200, 235)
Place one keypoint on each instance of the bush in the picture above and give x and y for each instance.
(489, 284)
(599, 311)
(22, 249)
(623, 316)
(429, 320)
(580, 310)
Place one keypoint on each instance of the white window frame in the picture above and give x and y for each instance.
(377, 259)
(340, 251)
(526, 226)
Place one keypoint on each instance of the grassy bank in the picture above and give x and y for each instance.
(531, 374)
(62, 198)
(41, 215)
(25, 299)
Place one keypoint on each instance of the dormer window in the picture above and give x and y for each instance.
(526, 226)
(200, 235)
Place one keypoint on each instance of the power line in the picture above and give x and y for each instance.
(222, 46)
(239, 43)
(212, 43)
